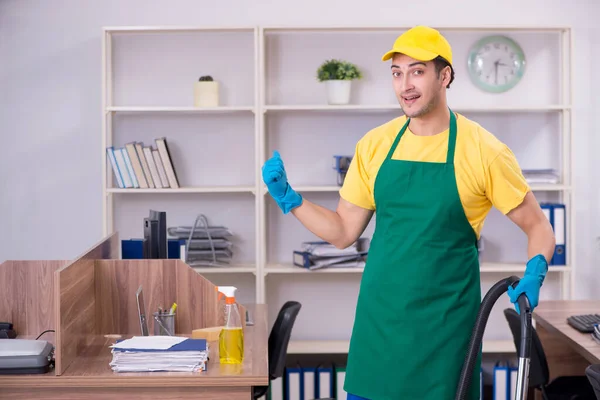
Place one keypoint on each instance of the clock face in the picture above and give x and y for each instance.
(496, 64)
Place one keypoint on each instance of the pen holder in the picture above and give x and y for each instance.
(164, 324)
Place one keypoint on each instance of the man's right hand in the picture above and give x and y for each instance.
(275, 177)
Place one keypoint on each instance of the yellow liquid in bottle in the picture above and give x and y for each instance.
(231, 346)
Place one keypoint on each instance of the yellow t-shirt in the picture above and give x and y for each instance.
(487, 172)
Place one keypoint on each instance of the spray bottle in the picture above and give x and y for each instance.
(231, 338)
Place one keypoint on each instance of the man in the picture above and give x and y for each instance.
(432, 176)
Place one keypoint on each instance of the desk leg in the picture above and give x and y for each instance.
(562, 359)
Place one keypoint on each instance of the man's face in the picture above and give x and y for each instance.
(417, 85)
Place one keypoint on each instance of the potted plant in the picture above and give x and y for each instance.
(206, 92)
(338, 76)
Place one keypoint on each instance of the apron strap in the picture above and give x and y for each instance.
(451, 139)
(397, 140)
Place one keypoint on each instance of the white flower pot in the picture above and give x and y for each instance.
(338, 91)
(206, 94)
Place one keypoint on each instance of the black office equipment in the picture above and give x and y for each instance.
(161, 218)
(7, 331)
(561, 386)
(150, 238)
(25, 356)
(584, 322)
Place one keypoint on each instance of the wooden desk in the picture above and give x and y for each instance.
(93, 296)
(90, 377)
(568, 351)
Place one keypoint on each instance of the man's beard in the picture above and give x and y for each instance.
(423, 110)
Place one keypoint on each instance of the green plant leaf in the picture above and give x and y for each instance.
(335, 69)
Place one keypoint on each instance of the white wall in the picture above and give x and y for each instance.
(50, 101)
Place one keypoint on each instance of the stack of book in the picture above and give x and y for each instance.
(138, 166)
(320, 254)
(159, 353)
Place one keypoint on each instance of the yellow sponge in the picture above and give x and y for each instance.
(210, 334)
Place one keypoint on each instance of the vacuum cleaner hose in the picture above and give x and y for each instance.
(487, 304)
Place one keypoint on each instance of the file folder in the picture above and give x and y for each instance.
(481, 384)
(275, 391)
(325, 382)
(513, 383)
(293, 384)
(559, 224)
(340, 376)
(556, 214)
(309, 383)
(501, 382)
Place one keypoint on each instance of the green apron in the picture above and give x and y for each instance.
(420, 291)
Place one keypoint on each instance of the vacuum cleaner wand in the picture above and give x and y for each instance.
(487, 304)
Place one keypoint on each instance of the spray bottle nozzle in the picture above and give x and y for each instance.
(228, 291)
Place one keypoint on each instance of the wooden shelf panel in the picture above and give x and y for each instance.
(341, 346)
(176, 29)
(484, 268)
(396, 107)
(205, 189)
(234, 269)
(537, 187)
(175, 109)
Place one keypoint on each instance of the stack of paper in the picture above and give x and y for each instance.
(315, 255)
(541, 175)
(159, 353)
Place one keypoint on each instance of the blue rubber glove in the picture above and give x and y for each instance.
(274, 176)
(530, 284)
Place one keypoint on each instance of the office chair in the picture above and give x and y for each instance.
(562, 387)
(278, 343)
(593, 374)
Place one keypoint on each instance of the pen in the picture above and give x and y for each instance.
(173, 307)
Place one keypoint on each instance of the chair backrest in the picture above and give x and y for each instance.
(280, 337)
(593, 374)
(539, 374)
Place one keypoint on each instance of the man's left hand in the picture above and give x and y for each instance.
(530, 284)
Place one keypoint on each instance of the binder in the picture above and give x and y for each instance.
(308, 260)
(556, 214)
(559, 225)
(275, 391)
(293, 384)
(324, 382)
(133, 249)
(513, 383)
(501, 382)
(340, 376)
(481, 384)
(309, 383)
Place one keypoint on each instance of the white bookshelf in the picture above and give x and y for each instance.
(270, 100)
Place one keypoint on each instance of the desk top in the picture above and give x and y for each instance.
(552, 315)
(91, 367)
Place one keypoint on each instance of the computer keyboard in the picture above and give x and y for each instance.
(584, 322)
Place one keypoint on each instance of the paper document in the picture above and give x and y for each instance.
(159, 353)
(149, 342)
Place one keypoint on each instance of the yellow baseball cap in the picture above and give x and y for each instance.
(421, 43)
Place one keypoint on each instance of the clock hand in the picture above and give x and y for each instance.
(496, 72)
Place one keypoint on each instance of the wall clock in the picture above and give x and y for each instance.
(496, 63)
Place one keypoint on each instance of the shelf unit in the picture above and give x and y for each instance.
(277, 104)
